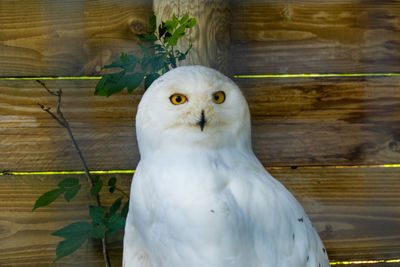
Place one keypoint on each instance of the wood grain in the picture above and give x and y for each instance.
(324, 121)
(71, 38)
(67, 38)
(356, 212)
(271, 37)
(32, 140)
(25, 238)
(295, 122)
(210, 37)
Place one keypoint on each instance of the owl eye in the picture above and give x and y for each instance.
(177, 99)
(218, 97)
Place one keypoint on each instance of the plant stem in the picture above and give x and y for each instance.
(166, 49)
(64, 123)
(123, 193)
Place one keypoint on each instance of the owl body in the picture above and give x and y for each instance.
(199, 196)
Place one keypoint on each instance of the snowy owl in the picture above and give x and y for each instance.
(200, 197)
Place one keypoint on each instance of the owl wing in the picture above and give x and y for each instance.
(135, 253)
(282, 232)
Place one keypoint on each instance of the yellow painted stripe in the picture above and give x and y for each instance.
(51, 78)
(314, 75)
(67, 172)
(132, 171)
(294, 75)
(364, 262)
(336, 167)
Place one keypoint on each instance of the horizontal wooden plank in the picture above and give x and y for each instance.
(32, 140)
(67, 38)
(271, 37)
(70, 38)
(337, 121)
(296, 122)
(356, 212)
(25, 238)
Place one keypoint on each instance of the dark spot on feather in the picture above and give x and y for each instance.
(293, 236)
(319, 264)
(300, 219)
(212, 211)
(308, 257)
(324, 250)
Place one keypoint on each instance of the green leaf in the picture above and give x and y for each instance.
(152, 23)
(110, 84)
(158, 62)
(143, 47)
(171, 41)
(180, 56)
(184, 18)
(68, 246)
(98, 231)
(97, 214)
(171, 25)
(96, 188)
(190, 23)
(178, 33)
(126, 62)
(71, 192)
(158, 48)
(68, 182)
(150, 79)
(112, 233)
(155, 61)
(162, 29)
(73, 229)
(125, 209)
(133, 80)
(115, 206)
(172, 61)
(148, 37)
(116, 222)
(47, 198)
(146, 61)
(174, 18)
(112, 181)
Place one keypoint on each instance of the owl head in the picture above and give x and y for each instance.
(192, 106)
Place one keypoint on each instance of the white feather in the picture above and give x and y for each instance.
(202, 198)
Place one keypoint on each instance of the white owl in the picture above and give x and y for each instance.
(200, 197)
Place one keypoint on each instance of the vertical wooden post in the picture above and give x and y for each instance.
(210, 37)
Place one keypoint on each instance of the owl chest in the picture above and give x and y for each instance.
(176, 185)
(184, 190)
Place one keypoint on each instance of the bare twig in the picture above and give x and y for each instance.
(122, 192)
(64, 123)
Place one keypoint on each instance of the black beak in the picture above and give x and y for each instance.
(202, 121)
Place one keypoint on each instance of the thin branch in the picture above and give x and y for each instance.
(122, 192)
(64, 123)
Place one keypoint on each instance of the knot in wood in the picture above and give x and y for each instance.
(138, 27)
(394, 146)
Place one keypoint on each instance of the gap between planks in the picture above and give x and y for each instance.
(267, 168)
(292, 75)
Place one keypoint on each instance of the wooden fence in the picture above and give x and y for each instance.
(332, 141)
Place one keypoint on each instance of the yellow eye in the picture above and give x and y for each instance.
(177, 99)
(218, 97)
